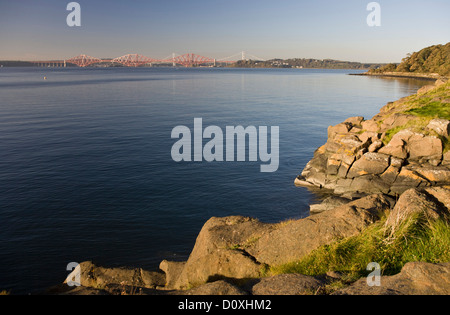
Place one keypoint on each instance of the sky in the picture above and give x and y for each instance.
(334, 29)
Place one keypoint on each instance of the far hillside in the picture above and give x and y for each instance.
(433, 59)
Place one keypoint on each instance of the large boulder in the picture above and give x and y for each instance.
(397, 146)
(219, 252)
(394, 121)
(441, 196)
(173, 270)
(370, 164)
(329, 203)
(408, 178)
(411, 203)
(237, 248)
(413, 145)
(440, 126)
(293, 240)
(428, 147)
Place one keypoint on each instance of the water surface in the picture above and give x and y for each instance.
(85, 158)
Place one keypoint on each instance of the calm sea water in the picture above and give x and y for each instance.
(86, 171)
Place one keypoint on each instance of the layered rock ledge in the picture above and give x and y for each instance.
(400, 148)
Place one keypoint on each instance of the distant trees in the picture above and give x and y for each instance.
(305, 63)
(433, 59)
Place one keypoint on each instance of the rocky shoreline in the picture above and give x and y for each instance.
(390, 153)
(392, 167)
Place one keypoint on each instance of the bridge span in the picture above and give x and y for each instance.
(136, 60)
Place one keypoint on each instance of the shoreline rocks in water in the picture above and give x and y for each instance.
(390, 153)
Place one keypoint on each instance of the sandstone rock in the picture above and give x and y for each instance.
(355, 121)
(331, 182)
(316, 177)
(346, 144)
(369, 184)
(220, 264)
(370, 125)
(333, 166)
(289, 284)
(97, 277)
(318, 163)
(218, 288)
(406, 179)
(369, 136)
(370, 163)
(375, 146)
(302, 182)
(343, 186)
(353, 162)
(420, 146)
(416, 278)
(343, 170)
(437, 174)
(404, 135)
(356, 129)
(173, 271)
(328, 204)
(395, 120)
(440, 126)
(341, 128)
(446, 159)
(219, 252)
(396, 148)
(410, 203)
(390, 175)
(441, 195)
(293, 241)
(397, 162)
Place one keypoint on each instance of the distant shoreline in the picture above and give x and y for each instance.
(408, 75)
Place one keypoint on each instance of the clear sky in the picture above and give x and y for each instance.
(336, 29)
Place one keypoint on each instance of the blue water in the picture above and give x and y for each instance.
(85, 158)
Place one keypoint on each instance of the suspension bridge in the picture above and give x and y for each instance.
(137, 60)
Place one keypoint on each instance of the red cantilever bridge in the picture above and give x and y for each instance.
(136, 60)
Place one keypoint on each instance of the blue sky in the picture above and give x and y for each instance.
(37, 29)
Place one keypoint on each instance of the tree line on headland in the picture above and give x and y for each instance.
(433, 59)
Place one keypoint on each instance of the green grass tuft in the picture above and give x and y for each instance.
(433, 109)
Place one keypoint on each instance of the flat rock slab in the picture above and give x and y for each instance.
(415, 279)
(289, 284)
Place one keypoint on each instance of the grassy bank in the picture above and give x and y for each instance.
(416, 240)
